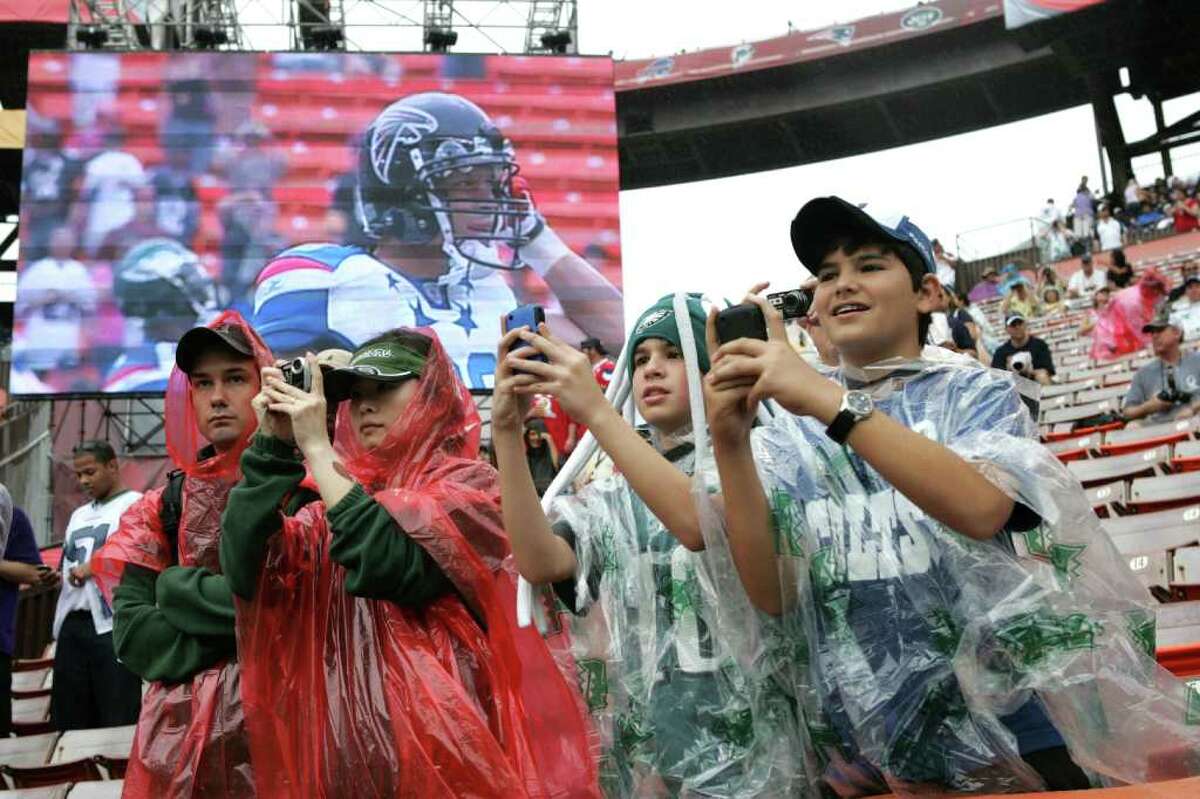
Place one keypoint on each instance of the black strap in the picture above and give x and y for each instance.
(171, 510)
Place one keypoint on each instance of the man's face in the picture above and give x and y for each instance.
(1104, 214)
(1165, 341)
(223, 384)
(96, 479)
(471, 192)
(1018, 333)
(660, 387)
(1192, 292)
(866, 303)
(1088, 267)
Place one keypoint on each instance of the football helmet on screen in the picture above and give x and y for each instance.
(433, 165)
(162, 278)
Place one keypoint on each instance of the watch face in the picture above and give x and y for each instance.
(859, 403)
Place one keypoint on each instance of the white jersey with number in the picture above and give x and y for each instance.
(89, 527)
(316, 296)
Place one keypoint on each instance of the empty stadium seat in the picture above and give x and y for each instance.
(1154, 532)
(1157, 493)
(1105, 498)
(1186, 456)
(1118, 467)
(49, 792)
(109, 747)
(1131, 439)
(27, 750)
(1070, 449)
(35, 682)
(1077, 413)
(106, 789)
(31, 716)
(1098, 394)
(52, 773)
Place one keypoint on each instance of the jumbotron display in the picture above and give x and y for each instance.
(327, 197)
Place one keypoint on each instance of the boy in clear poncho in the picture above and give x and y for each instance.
(960, 618)
(637, 556)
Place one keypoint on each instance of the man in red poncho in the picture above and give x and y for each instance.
(376, 628)
(173, 612)
(1118, 329)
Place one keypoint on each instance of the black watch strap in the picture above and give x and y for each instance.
(839, 429)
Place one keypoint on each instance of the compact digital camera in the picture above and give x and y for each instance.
(746, 321)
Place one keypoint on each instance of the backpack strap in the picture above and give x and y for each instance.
(171, 510)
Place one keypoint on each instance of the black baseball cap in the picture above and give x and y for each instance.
(1190, 279)
(1014, 319)
(823, 219)
(198, 339)
(592, 343)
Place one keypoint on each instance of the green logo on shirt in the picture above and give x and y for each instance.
(593, 683)
(1142, 629)
(1033, 637)
(786, 515)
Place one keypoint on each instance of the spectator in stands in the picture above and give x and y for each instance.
(1100, 298)
(110, 180)
(984, 334)
(176, 206)
(1119, 326)
(602, 365)
(143, 226)
(541, 454)
(189, 126)
(1084, 207)
(54, 296)
(1133, 194)
(1056, 242)
(1024, 353)
(21, 565)
(48, 177)
(1087, 280)
(946, 274)
(1119, 272)
(1185, 210)
(251, 162)
(1186, 312)
(1020, 300)
(1190, 301)
(1168, 387)
(1049, 215)
(1048, 278)
(1053, 303)
(173, 622)
(1108, 230)
(561, 428)
(1186, 271)
(988, 286)
(91, 688)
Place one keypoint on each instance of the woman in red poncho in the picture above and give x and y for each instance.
(1118, 329)
(173, 612)
(377, 627)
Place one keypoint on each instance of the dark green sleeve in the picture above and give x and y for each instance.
(381, 561)
(148, 644)
(271, 471)
(195, 601)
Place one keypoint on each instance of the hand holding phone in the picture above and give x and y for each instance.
(530, 316)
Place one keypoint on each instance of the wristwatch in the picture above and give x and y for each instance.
(856, 406)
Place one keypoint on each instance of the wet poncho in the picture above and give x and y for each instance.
(926, 660)
(1118, 329)
(683, 677)
(348, 696)
(190, 738)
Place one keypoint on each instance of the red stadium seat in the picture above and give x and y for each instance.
(1104, 470)
(1186, 457)
(1071, 449)
(1178, 638)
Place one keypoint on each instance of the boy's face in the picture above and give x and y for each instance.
(223, 384)
(660, 385)
(866, 303)
(95, 478)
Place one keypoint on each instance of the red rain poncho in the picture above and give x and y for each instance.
(1118, 328)
(190, 738)
(349, 696)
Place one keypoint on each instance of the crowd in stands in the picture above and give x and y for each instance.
(1095, 222)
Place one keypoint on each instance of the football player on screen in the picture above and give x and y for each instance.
(439, 198)
(162, 291)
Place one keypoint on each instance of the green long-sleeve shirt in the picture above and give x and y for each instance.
(381, 560)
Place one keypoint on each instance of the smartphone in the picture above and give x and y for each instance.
(741, 321)
(530, 316)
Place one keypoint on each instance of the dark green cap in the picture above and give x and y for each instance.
(658, 321)
(393, 357)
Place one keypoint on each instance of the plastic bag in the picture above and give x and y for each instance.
(355, 697)
(926, 651)
(190, 738)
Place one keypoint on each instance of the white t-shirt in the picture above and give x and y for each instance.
(1085, 284)
(88, 529)
(939, 329)
(1109, 231)
(945, 274)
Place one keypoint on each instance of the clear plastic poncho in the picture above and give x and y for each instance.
(355, 697)
(922, 654)
(191, 737)
(684, 679)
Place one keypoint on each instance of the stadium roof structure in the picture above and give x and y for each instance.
(937, 69)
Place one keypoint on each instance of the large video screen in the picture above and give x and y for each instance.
(328, 197)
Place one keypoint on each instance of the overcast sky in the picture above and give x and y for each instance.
(716, 235)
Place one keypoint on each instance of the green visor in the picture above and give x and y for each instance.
(390, 358)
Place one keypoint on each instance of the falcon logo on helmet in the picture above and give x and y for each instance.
(412, 151)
